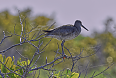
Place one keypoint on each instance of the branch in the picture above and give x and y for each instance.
(10, 47)
(4, 37)
(10, 70)
(41, 67)
(103, 70)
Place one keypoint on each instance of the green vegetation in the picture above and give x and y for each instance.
(10, 24)
(9, 63)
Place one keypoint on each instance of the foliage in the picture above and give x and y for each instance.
(33, 48)
(68, 74)
(7, 66)
(107, 40)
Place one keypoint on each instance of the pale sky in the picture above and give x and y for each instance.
(92, 13)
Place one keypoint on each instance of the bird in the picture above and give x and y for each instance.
(65, 32)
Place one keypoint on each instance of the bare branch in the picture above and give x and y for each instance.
(10, 47)
(103, 70)
(5, 37)
(10, 70)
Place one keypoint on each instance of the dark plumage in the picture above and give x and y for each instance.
(66, 32)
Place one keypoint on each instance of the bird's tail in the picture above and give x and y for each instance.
(46, 31)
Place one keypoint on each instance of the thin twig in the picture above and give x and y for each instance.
(10, 47)
(46, 45)
(5, 37)
(10, 70)
(21, 54)
(51, 25)
(103, 70)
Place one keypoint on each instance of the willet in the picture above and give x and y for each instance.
(65, 32)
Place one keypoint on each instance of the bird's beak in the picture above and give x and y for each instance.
(84, 28)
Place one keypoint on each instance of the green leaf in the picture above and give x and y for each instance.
(68, 71)
(4, 70)
(8, 62)
(74, 75)
(1, 58)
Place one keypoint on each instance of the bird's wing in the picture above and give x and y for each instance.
(64, 30)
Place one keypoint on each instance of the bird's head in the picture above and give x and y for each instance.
(79, 23)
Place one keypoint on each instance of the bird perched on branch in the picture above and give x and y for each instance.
(66, 32)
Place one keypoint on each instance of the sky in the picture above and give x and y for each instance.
(92, 13)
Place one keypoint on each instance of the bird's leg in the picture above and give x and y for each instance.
(62, 44)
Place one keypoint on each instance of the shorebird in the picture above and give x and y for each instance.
(65, 32)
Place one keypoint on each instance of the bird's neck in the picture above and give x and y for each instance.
(78, 28)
